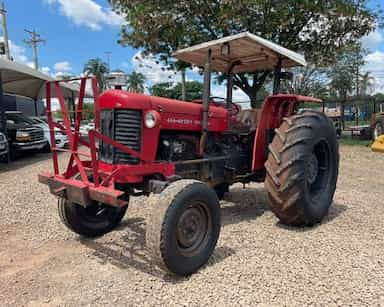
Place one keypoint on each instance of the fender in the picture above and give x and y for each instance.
(274, 109)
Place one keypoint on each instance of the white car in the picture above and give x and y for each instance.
(60, 137)
(84, 128)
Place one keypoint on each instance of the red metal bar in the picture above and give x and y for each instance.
(51, 127)
(67, 127)
(120, 146)
(96, 103)
(79, 112)
(76, 134)
(95, 166)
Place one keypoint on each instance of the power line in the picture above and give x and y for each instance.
(33, 41)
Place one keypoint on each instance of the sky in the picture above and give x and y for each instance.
(78, 30)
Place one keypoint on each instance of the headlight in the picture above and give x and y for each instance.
(151, 119)
(23, 136)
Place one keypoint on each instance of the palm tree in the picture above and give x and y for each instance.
(135, 82)
(98, 69)
(367, 83)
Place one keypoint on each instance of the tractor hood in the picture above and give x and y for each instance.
(118, 99)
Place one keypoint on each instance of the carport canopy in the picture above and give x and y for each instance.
(19, 79)
(22, 80)
(247, 51)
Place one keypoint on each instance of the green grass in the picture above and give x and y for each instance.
(354, 142)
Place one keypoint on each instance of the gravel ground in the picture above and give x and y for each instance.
(257, 260)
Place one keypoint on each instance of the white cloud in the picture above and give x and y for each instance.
(375, 65)
(17, 52)
(64, 66)
(30, 64)
(87, 13)
(45, 70)
(373, 40)
(375, 61)
(154, 72)
(152, 69)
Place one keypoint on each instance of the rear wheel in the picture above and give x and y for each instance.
(302, 168)
(184, 226)
(92, 221)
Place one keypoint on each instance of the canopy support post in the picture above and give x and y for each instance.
(229, 89)
(207, 90)
(230, 84)
(277, 77)
(206, 99)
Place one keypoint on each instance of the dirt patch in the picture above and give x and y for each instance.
(257, 260)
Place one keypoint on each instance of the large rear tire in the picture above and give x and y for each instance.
(302, 168)
(92, 221)
(184, 226)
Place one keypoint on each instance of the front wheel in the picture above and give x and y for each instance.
(184, 227)
(302, 169)
(92, 221)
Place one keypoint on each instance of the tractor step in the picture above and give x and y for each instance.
(80, 192)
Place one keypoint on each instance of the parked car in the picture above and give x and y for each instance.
(60, 137)
(3, 147)
(85, 127)
(23, 134)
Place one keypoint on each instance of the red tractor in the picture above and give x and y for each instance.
(187, 154)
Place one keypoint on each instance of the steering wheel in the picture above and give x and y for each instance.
(233, 111)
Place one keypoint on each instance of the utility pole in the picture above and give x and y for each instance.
(5, 30)
(33, 41)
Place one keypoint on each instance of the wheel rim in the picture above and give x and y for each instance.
(313, 168)
(318, 169)
(193, 229)
(377, 131)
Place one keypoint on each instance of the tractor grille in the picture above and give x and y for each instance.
(124, 126)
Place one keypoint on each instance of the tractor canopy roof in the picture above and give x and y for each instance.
(245, 52)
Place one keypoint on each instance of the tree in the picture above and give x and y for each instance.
(318, 28)
(98, 69)
(367, 83)
(135, 82)
(343, 74)
(193, 90)
(88, 111)
(307, 81)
